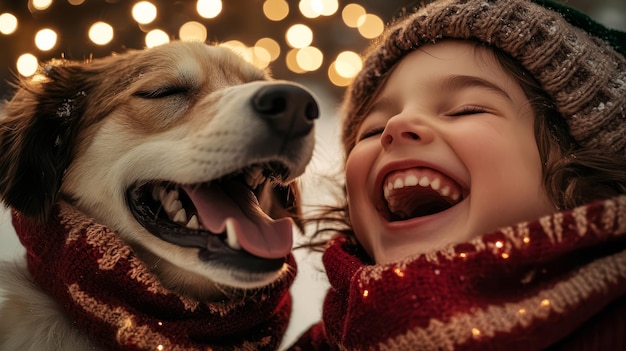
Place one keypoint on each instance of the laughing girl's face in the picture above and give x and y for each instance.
(446, 152)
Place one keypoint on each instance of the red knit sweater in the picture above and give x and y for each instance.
(112, 296)
(557, 283)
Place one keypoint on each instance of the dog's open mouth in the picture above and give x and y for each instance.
(223, 218)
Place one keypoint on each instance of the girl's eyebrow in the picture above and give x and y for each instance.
(460, 82)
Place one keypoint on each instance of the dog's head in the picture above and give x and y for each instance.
(185, 150)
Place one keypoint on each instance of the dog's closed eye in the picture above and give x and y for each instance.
(162, 92)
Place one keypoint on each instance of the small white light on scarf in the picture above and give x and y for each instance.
(545, 303)
(160, 324)
(365, 293)
(521, 311)
(526, 240)
(499, 244)
(463, 255)
(398, 272)
(505, 255)
(160, 347)
(475, 331)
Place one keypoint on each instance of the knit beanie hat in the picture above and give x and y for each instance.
(579, 63)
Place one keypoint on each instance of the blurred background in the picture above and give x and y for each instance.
(314, 42)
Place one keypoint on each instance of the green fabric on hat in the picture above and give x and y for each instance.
(616, 38)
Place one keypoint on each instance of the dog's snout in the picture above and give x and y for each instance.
(288, 109)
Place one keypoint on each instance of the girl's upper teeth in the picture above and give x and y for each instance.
(423, 178)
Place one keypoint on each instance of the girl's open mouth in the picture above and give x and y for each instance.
(418, 192)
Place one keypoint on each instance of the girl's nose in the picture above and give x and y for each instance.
(402, 129)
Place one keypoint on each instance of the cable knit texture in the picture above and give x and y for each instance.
(114, 298)
(557, 283)
(584, 75)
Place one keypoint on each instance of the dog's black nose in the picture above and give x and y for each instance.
(288, 109)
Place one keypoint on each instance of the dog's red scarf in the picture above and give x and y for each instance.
(557, 283)
(112, 296)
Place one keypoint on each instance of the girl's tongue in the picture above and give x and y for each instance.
(233, 202)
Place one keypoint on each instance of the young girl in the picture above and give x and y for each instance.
(486, 179)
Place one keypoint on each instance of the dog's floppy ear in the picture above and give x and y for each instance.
(36, 137)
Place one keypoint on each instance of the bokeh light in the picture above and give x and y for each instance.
(8, 23)
(275, 10)
(144, 12)
(45, 39)
(310, 8)
(101, 33)
(348, 64)
(239, 48)
(192, 31)
(299, 36)
(156, 37)
(291, 60)
(271, 46)
(209, 8)
(370, 26)
(27, 64)
(329, 7)
(309, 58)
(40, 5)
(351, 14)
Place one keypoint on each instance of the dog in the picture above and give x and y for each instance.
(184, 150)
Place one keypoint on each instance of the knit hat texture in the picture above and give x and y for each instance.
(579, 63)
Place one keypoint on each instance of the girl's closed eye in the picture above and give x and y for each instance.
(467, 110)
(370, 133)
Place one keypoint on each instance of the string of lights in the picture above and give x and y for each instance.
(294, 37)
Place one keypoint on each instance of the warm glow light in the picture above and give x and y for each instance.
(271, 46)
(299, 36)
(348, 64)
(275, 10)
(27, 65)
(101, 33)
(75, 2)
(144, 12)
(209, 8)
(192, 31)
(292, 61)
(8, 23)
(45, 39)
(41, 4)
(261, 58)
(335, 78)
(329, 7)
(370, 26)
(156, 37)
(351, 14)
(310, 8)
(239, 48)
(309, 58)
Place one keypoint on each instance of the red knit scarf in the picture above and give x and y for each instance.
(558, 282)
(112, 296)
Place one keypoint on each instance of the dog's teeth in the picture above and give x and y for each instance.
(180, 216)
(156, 193)
(170, 202)
(193, 223)
(231, 236)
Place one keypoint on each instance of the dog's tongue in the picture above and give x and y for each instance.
(256, 232)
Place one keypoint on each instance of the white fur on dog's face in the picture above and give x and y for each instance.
(184, 117)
